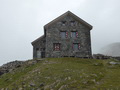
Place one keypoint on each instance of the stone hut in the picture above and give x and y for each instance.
(66, 36)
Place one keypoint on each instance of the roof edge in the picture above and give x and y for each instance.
(37, 39)
(68, 13)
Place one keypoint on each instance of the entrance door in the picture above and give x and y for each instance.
(42, 54)
(38, 54)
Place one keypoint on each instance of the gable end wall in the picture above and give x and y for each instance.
(53, 36)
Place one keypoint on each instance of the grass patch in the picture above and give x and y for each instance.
(64, 73)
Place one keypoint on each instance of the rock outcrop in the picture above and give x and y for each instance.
(10, 66)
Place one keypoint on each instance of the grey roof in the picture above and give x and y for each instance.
(71, 14)
(41, 37)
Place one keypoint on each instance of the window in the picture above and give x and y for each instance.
(63, 23)
(72, 23)
(74, 34)
(56, 46)
(64, 34)
(76, 46)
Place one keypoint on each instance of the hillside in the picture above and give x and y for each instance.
(63, 74)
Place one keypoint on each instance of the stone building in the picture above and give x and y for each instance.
(66, 36)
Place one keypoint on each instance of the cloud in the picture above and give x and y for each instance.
(22, 21)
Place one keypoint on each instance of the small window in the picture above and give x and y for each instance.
(64, 34)
(56, 46)
(74, 34)
(76, 46)
(72, 23)
(63, 23)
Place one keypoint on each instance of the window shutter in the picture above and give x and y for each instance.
(76, 34)
(56, 46)
(79, 46)
(66, 34)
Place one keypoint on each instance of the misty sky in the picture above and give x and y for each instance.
(22, 21)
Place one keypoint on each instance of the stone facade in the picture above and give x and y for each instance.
(39, 47)
(68, 22)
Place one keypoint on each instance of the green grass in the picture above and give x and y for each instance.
(65, 73)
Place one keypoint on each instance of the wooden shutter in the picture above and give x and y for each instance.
(56, 46)
(76, 34)
(66, 34)
(79, 46)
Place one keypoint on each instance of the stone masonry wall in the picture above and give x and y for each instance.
(53, 36)
(40, 44)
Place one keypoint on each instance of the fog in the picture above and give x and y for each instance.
(111, 50)
(22, 21)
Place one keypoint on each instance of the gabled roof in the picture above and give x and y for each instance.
(41, 37)
(71, 14)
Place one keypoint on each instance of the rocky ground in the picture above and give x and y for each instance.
(61, 74)
(10, 66)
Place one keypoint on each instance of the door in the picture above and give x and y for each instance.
(42, 54)
(38, 54)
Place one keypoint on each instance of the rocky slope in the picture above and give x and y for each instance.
(10, 66)
(62, 74)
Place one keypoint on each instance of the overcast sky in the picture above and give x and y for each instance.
(22, 21)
